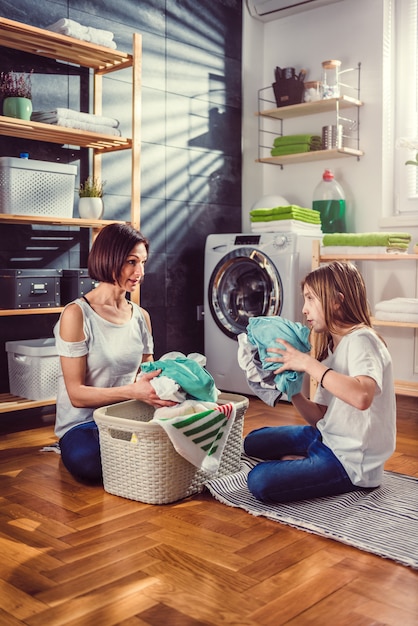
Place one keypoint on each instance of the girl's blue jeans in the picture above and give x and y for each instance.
(80, 452)
(318, 474)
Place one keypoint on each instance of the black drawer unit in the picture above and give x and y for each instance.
(75, 283)
(30, 289)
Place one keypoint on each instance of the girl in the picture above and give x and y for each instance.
(352, 428)
(102, 339)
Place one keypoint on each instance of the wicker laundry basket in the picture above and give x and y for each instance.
(149, 469)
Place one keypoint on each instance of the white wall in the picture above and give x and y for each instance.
(351, 31)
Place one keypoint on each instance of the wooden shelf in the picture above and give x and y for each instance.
(34, 311)
(406, 388)
(315, 155)
(311, 108)
(8, 218)
(8, 402)
(38, 131)
(45, 43)
(378, 322)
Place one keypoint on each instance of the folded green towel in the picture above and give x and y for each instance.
(286, 213)
(290, 149)
(395, 240)
(288, 208)
(286, 140)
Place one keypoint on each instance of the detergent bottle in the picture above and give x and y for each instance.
(329, 200)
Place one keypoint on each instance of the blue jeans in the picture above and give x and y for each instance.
(318, 474)
(80, 452)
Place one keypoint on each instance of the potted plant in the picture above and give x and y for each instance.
(90, 204)
(16, 89)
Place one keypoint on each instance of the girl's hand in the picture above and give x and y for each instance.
(288, 357)
(144, 391)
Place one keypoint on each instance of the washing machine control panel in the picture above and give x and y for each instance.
(283, 241)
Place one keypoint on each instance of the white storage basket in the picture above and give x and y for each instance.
(30, 187)
(33, 368)
(150, 470)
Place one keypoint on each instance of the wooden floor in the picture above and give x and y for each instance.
(75, 555)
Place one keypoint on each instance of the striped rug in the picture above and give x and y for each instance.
(383, 521)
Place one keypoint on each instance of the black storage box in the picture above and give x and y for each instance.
(29, 289)
(75, 283)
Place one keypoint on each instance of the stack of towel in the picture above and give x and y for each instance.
(291, 218)
(373, 242)
(71, 28)
(293, 144)
(398, 310)
(70, 118)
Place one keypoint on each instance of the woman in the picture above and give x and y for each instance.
(352, 422)
(102, 339)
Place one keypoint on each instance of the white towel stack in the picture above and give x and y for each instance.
(398, 310)
(72, 28)
(70, 118)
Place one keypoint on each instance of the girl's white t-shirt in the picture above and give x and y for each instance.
(361, 440)
(114, 355)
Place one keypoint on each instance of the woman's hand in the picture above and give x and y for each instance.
(144, 391)
(288, 357)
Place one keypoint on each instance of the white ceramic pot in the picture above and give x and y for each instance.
(90, 208)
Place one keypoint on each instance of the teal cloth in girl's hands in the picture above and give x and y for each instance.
(195, 381)
(263, 333)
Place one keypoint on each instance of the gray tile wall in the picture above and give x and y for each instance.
(191, 150)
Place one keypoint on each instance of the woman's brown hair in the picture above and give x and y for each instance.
(110, 250)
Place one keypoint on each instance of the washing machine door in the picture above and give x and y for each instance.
(245, 283)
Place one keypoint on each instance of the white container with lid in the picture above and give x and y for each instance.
(330, 79)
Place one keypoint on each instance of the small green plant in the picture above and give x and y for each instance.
(91, 188)
(413, 162)
(16, 84)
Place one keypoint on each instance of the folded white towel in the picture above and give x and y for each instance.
(398, 305)
(284, 226)
(94, 128)
(331, 250)
(71, 28)
(391, 316)
(52, 116)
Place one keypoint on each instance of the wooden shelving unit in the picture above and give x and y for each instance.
(402, 387)
(101, 61)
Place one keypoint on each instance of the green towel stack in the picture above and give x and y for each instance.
(395, 241)
(294, 144)
(291, 212)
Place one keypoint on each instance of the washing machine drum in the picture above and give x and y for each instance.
(244, 284)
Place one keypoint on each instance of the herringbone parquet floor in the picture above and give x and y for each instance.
(72, 554)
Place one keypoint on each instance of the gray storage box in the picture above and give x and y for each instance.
(29, 289)
(30, 187)
(75, 283)
(33, 368)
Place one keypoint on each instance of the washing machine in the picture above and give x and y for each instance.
(246, 275)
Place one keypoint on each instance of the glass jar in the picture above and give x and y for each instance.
(312, 91)
(330, 79)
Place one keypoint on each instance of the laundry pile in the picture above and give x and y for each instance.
(398, 310)
(263, 333)
(70, 118)
(293, 144)
(373, 243)
(71, 28)
(291, 218)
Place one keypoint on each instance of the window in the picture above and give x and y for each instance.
(400, 52)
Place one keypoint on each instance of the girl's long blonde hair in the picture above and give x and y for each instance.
(338, 283)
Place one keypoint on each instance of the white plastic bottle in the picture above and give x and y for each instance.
(329, 200)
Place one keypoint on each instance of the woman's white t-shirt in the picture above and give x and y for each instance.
(114, 355)
(361, 440)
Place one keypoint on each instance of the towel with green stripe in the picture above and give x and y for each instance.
(292, 211)
(198, 430)
(393, 240)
